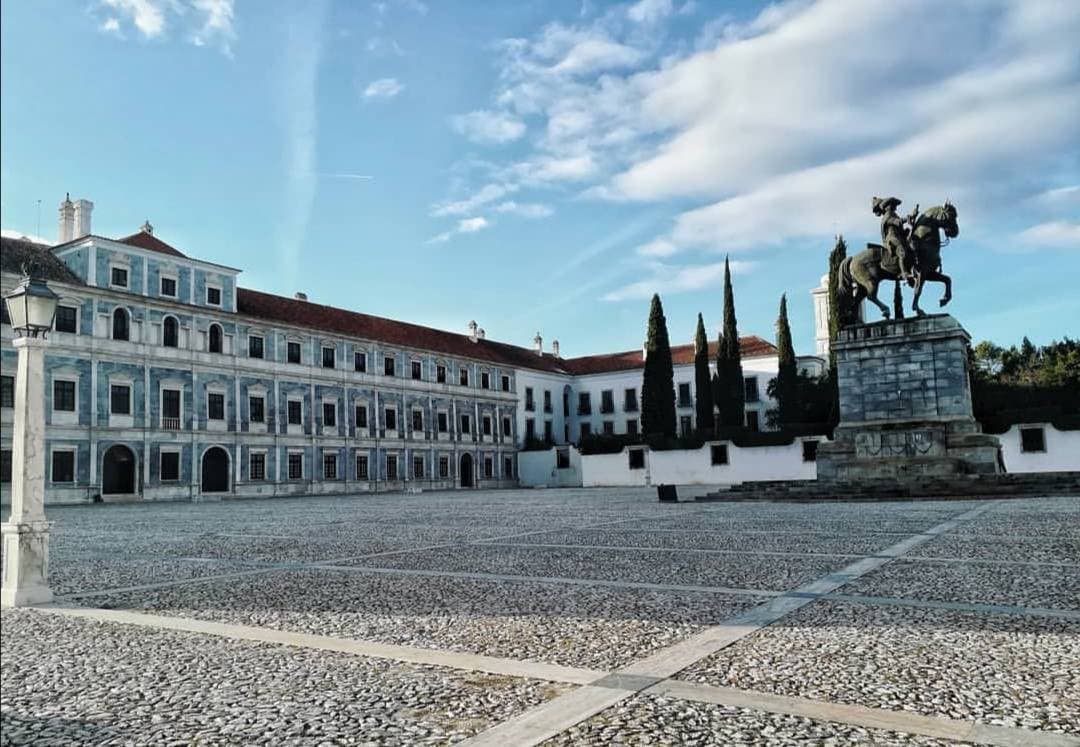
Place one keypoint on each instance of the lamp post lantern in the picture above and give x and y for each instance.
(31, 308)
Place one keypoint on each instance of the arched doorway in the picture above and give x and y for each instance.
(215, 470)
(466, 472)
(118, 471)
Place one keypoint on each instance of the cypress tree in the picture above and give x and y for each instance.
(787, 375)
(658, 384)
(731, 393)
(703, 397)
(837, 305)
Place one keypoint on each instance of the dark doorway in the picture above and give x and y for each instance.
(466, 471)
(215, 470)
(118, 471)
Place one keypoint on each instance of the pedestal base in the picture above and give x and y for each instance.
(26, 564)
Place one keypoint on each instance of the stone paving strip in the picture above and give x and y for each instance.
(75, 681)
(1042, 549)
(1015, 672)
(563, 712)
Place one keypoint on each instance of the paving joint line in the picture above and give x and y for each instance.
(692, 550)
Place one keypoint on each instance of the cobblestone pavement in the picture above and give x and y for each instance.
(554, 617)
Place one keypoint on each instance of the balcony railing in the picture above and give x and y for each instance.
(170, 424)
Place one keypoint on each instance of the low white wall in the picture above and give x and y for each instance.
(1062, 450)
(744, 465)
(536, 468)
(612, 469)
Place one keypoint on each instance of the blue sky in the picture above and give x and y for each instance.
(548, 165)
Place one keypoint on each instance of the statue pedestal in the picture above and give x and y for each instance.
(905, 404)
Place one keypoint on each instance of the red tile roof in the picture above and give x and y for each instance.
(749, 346)
(400, 334)
(149, 242)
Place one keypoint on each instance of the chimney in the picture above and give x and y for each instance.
(538, 343)
(147, 228)
(83, 209)
(67, 221)
(472, 330)
(555, 348)
(300, 296)
(481, 334)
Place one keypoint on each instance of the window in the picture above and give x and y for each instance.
(485, 425)
(686, 425)
(463, 376)
(440, 374)
(443, 424)
(168, 287)
(417, 370)
(120, 399)
(170, 409)
(360, 361)
(119, 277)
(508, 466)
(257, 466)
(549, 436)
(215, 338)
(809, 451)
(170, 332)
(329, 414)
(485, 380)
(631, 427)
(329, 357)
(295, 412)
(66, 319)
(388, 366)
(418, 468)
(170, 466)
(507, 429)
(5, 464)
(390, 419)
(63, 465)
(607, 401)
(584, 403)
(361, 416)
(296, 465)
(444, 467)
(255, 346)
(636, 458)
(489, 467)
(530, 429)
(215, 406)
(719, 454)
(292, 352)
(752, 420)
(120, 327)
(64, 395)
(684, 394)
(257, 409)
(361, 467)
(391, 467)
(751, 389)
(1032, 439)
(562, 458)
(547, 400)
(586, 429)
(213, 295)
(464, 423)
(418, 420)
(505, 382)
(529, 404)
(329, 466)
(7, 391)
(566, 402)
(609, 427)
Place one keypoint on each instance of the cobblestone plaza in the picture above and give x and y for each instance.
(556, 617)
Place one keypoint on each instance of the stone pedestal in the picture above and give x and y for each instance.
(905, 404)
(26, 564)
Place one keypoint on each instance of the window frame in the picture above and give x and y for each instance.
(389, 365)
(1031, 430)
(254, 454)
(362, 460)
(261, 399)
(220, 295)
(719, 455)
(165, 334)
(390, 413)
(290, 346)
(212, 395)
(64, 449)
(162, 279)
(7, 392)
(74, 382)
(360, 361)
(289, 462)
(113, 387)
(162, 452)
(120, 311)
(289, 402)
(330, 460)
(210, 339)
(416, 370)
(74, 317)
(256, 345)
(115, 267)
(357, 409)
(329, 406)
(331, 361)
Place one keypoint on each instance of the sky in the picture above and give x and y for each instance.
(546, 166)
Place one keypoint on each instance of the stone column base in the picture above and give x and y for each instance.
(26, 564)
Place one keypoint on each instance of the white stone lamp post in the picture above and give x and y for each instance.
(31, 308)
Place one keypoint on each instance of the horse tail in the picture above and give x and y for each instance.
(845, 282)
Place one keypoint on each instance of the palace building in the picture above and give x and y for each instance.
(165, 380)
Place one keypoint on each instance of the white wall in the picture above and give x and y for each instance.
(1062, 450)
(536, 468)
(612, 469)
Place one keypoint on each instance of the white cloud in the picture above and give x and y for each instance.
(111, 26)
(657, 248)
(10, 233)
(525, 209)
(487, 193)
(1058, 234)
(148, 16)
(485, 126)
(668, 279)
(465, 225)
(203, 21)
(649, 11)
(383, 88)
(217, 24)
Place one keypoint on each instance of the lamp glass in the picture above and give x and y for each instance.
(16, 305)
(32, 307)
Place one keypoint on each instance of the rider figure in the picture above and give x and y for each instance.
(894, 236)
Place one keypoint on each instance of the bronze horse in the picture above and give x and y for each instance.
(862, 273)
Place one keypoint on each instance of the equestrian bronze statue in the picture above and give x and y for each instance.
(910, 251)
